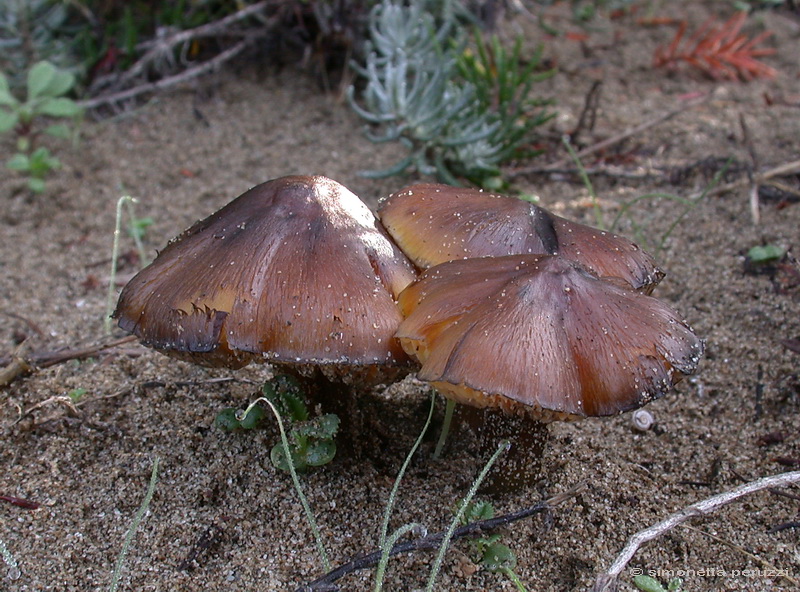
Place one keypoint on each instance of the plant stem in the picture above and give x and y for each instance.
(326, 564)
(137, 239)
(383, 544)
(390, 542)
(448, 420)
(598, 214)
(112, 279)
(511, 575)
(437, 565)
(134, 525)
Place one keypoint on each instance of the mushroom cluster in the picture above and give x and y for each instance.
(296, 272)
(515, 308)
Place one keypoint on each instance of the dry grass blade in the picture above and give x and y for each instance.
(722, 52)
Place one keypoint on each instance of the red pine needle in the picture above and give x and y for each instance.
(722, 52)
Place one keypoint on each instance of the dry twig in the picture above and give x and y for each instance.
(751, 151)
(788, 168)
(17, 364)
(607, 143)
(433, 541)
(165, 47)
(607, 581)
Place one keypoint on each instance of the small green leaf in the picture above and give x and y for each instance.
(323, 427)
(226, 420)
(40, 76)
(36, 185)
(675, 585)
(42, 162)
(76, 394)
(19, 162)
(278, 458)
(60, 107)
(138, 227)
(6, 98)
(498, 557)
(648, 584)
(320, 453)
(8, 120)
(253, 419)
(477, 511)
(765, 253)
(60, 130)
(60, 83)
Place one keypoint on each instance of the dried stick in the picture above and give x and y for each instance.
(165, 45)
(16, 364)
(789, 168)
(194, 72)
(433, 541)
(619, 137)
(607, 581)
(751, 151)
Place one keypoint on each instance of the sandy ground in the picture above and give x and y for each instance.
(187, 153)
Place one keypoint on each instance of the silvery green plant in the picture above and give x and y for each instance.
(45, 100)
(419, 93)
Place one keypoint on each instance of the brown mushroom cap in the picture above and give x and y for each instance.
(296, 270)
(538, 334)
(436, 223)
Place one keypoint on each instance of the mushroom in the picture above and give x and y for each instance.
(539, 337)
(436, 223)
(295, 272)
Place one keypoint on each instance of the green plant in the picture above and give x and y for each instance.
(295, 479)
(137, 228)
(503, 85)
(386, 541)
(46, 87)
(765, 254)
(76, 394)
(311, 441)
(458, 113)
(754, 5)
(112, 276)
(137, 519)
(462, 508)
(649, 584)
(492, 554)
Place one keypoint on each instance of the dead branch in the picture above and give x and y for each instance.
(164, 46)
(754, 166)
(607, 581)
(789, 168)
(164, 83)
(17, 364)
(607, 143)
(433, 541)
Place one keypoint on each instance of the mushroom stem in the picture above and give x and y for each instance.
(448, 419)
(522, 464)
